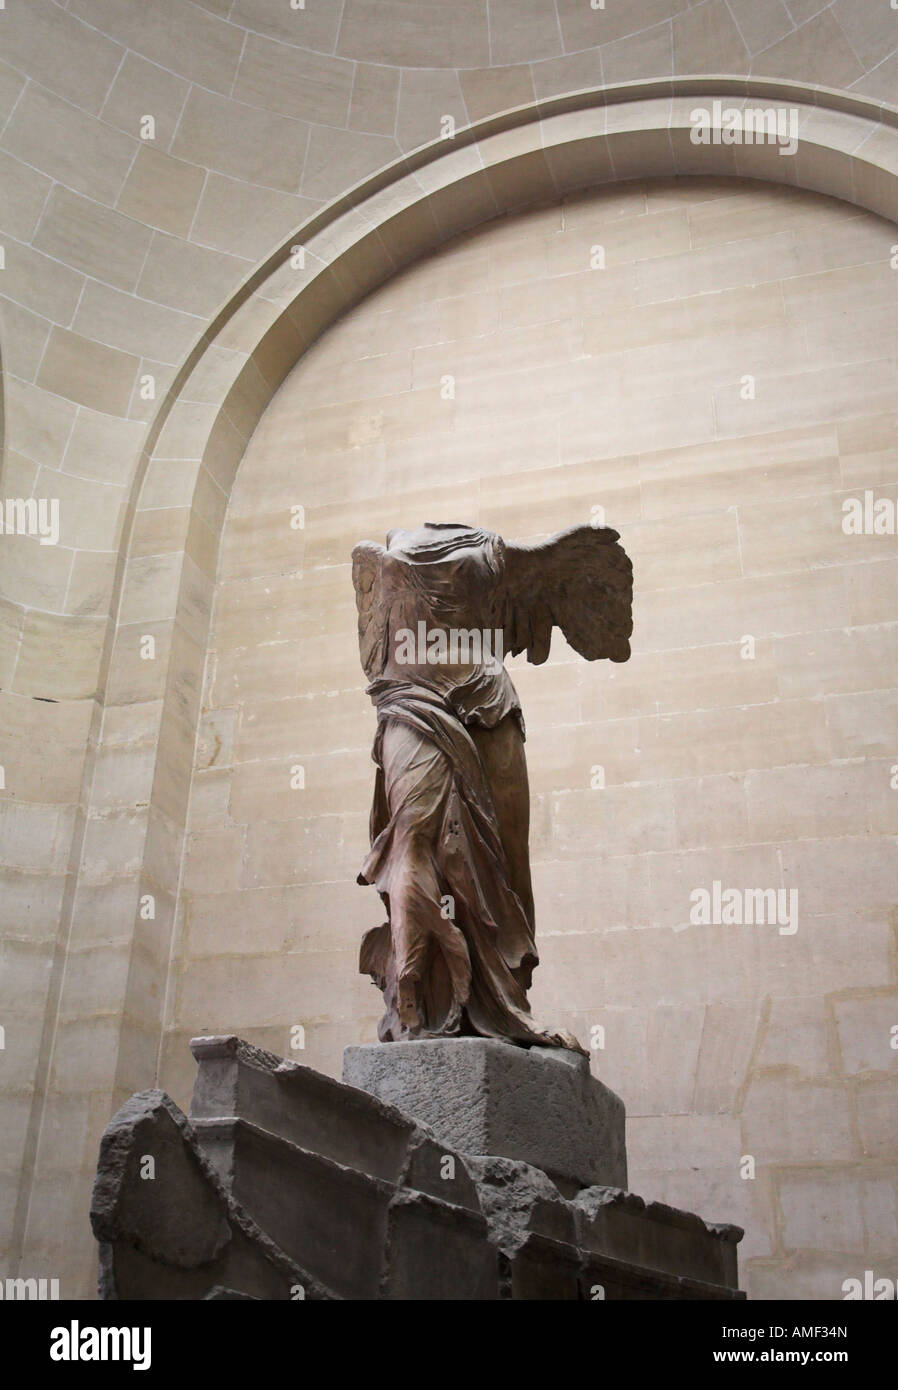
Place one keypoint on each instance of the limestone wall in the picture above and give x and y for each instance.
(505, 382)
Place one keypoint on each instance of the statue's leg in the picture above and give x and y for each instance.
(413, 890)
(416, 777)
(502, 754)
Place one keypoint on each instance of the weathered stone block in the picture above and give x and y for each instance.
(172, 1231)
(540, 1105)
(325, 1216)
(466, 1267)
(288, 1184)
(544, 1269)
(297, 1103)
(621, 1226)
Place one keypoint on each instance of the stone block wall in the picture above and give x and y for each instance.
(750, 740)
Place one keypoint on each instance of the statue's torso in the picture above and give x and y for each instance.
(447, 592)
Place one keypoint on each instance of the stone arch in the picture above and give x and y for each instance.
(847, 148)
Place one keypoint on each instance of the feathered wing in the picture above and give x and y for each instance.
(580, 580)
(367, 558)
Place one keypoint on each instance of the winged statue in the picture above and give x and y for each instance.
(439, 608)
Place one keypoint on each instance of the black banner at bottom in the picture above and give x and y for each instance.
(62, 1339)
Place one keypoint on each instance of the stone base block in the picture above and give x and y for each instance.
(287, 1184)
(540, 1105)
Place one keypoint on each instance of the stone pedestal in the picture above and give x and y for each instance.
(286, 1184)
(540, 1105)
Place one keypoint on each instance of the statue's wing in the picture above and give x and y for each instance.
(367, 558)
(581, 581)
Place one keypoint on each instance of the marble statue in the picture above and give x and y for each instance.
(439, 607)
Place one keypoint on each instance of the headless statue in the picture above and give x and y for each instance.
(438, 609)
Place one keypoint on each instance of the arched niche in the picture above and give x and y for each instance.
(846, 147)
